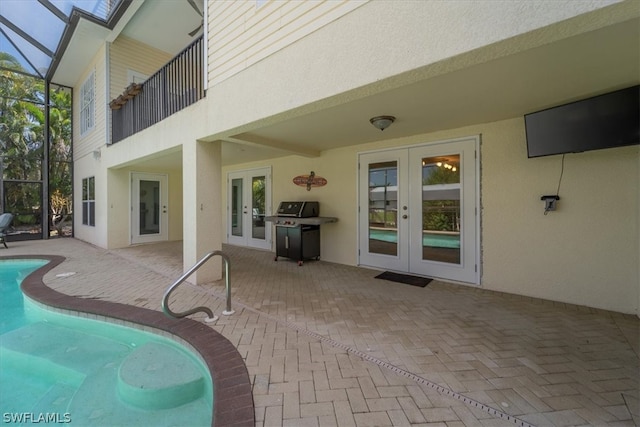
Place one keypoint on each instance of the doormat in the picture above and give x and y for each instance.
(404, 278)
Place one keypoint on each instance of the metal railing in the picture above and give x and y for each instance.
(202, 309)
(175, 86)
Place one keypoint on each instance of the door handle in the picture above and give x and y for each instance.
(405, 216)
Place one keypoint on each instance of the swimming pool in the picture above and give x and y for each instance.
(57, 368)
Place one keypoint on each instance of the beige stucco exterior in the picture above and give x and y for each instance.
(569, 255)
(286, 66)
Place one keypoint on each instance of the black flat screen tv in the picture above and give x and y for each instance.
(604, 121)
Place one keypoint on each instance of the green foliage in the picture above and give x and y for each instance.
(440, 175)
(437, 221)
(22, 139)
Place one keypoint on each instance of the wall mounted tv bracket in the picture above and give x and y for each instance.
(550, 203)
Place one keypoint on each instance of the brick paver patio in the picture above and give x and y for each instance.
(330, 345)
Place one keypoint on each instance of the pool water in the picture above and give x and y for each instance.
(433, 240)
(56, 368)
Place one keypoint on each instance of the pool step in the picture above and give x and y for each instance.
(44, 369)
(98, 403)
(156, 376)
(94, 379)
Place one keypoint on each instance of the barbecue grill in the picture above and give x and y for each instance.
(298, 230)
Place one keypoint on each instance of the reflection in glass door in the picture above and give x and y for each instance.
(444, 222)
(383, 208)
(249, 195)
(237, 201)
(149, 207)
(441, 208)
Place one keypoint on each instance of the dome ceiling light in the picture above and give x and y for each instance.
(382, 122)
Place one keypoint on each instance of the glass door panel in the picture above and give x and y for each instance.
(236, 206)
(444, 223)
(441, 208)
(383, 208)
(248, 204)
(258, 204)
(383, 236)
(149, 207)
(149, 221)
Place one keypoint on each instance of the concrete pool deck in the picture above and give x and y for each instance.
(328, 344)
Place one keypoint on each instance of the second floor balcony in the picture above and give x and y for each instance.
(174, 87)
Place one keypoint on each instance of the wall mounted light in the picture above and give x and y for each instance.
(382, 122)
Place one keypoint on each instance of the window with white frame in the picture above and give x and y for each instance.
(88, 201)
(87, 104)
(136, 77)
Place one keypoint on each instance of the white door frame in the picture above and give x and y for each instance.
(399, 262)
(248, 216)
(161, 210)
(409, 252)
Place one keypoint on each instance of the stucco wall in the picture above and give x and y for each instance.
(584, 253)
(373, 47)
(119, 202)
(164, 139)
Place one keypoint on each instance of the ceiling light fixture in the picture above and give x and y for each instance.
(382, 122)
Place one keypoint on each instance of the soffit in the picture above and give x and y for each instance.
(573, 68)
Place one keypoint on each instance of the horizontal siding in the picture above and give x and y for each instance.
(92, 140)
(128, 54)
(241, 34)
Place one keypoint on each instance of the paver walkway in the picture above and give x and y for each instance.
(328, 344)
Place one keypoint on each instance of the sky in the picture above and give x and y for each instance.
(32, 17)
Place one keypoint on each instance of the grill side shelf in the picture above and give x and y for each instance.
(287, 220)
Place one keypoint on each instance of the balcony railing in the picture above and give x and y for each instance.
(175, 86)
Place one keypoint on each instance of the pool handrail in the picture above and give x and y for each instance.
(211, 317)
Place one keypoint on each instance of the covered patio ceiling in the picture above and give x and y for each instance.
(451, 94)
(448, 97)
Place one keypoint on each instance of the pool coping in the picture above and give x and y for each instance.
(233, 403)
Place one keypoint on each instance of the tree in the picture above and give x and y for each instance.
(22, 140)
(60, 184)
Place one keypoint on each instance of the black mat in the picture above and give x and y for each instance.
(404, 278)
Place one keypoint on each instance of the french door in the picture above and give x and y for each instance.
(249, 201)
(149, 217)
(418, 210)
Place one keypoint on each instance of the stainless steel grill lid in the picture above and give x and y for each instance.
(299, 209)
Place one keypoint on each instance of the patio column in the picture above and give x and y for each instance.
(202, 223)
